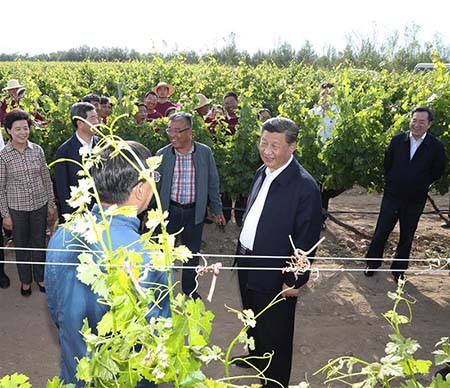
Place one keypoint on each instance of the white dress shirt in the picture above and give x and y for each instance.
(247, 237)
(414, 144)
(85, 143)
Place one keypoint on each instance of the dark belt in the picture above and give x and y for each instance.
(183, 205)
(244, 251)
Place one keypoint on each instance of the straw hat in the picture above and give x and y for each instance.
(13, 84)
(170, 87)
(202, 101)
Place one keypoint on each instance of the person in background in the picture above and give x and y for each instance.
(171, 110)
(329, 114)
(84, 118)
(105, 109)
(141, 115)
(26, 198)
(151, 101)
(16, 92)
(264, 115)
(93, 99)
(412, 162)
(284, 202)
(230, 103)
(189, 179)
(164, 91)
(202, 106)
(70, 301)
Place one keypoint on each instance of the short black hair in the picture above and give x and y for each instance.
(16, 115)
(282, 125)
(114, 177)
(424, 108)
(80, 109)
(90, 97)
(104, 100)
(150, 92)
(326, 85)
(231, 94)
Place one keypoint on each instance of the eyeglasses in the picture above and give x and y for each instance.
(171, 131)
(155, 175)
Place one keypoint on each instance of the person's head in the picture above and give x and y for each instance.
(230, 102)
(170, 111)
(141, 114)
(17, 125)
(118, 183)
(421, 120)
(86, 111)
(92, 99)
(326, 90)
(264, 114)
(164, 90)
(105, 107)
(278, 141)
(14, 89)
(180, 131)
(202, 106)
(151, 99)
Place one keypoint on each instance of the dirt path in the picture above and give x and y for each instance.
(337, 314)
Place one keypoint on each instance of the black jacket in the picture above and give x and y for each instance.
(292, 207)
(409, 180)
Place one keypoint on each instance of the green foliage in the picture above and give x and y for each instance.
(373, 106)
(398, 367)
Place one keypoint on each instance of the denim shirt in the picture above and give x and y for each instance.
(70, 301)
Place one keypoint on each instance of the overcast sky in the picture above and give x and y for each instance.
(40, 26)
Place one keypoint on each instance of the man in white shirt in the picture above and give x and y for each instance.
(284, 201)
(413, 161)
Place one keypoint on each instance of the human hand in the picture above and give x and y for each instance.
(7, 223)
(219, 219)
(51, 214)
(290, 292)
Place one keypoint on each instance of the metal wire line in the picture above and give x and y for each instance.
(233, 256)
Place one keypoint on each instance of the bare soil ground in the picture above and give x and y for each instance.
(339, 313)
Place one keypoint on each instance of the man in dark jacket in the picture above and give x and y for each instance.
(284, 201)
(413, 161)
(66, 173)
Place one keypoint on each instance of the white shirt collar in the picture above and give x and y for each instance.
(419, 139)
(278, 171)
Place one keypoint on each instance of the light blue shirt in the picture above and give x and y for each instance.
(70, 301)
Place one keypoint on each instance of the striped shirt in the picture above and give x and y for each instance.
(183, 179)
(25, 183)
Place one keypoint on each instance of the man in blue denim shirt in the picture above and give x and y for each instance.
(69, 300)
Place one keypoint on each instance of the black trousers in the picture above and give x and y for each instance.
(391, 211)
(274, 330)
(29, 232)
(2, 252)
(191, 236)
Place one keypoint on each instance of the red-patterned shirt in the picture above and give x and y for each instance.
(25, 183)
(183, 179)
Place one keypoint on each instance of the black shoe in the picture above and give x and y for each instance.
(241, 363)
(397, 276)
(24, 292)
(444, 372)
(446, 225)
(369, 272)
(195, 295)
(4, 280)
(41, 288)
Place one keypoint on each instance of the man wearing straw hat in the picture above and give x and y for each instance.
(164, 91)
(16, 92)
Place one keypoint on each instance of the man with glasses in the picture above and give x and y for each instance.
(189, 179)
